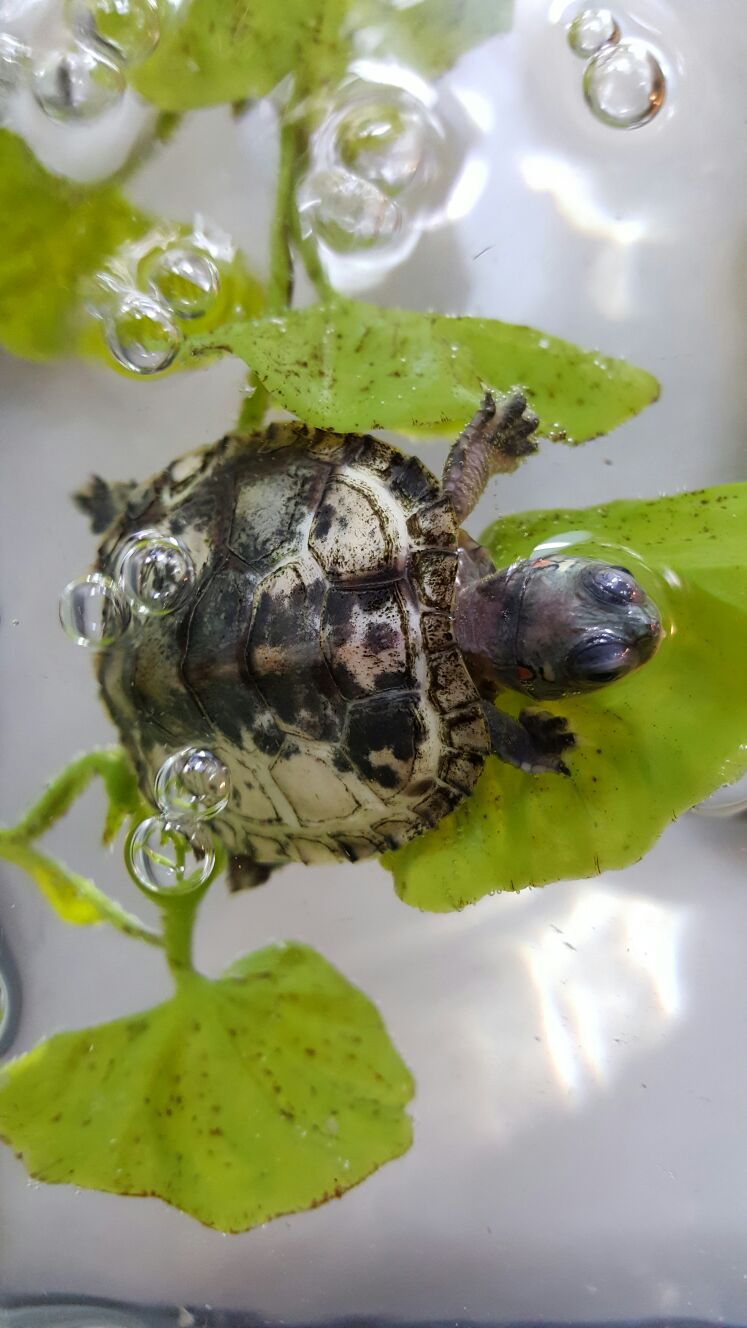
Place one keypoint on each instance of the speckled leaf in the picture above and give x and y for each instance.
(427, 37)
(649, 747)
(353, 366)
(53, 233)
(227, 50)
(75, 898)
(268, 1091)
(214, 51)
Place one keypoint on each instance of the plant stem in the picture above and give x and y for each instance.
(286, 233)
(73, 897)
(280, 287)
(178, 928)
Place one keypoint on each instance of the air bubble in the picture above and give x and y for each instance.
(624, 85)
(193, 782)
(141, 335)
(14, 60)
(388, 139)
(591, 30)
(93, 612)
(76, 84)
(169, 858)
(155, 573)
(127, 30)
(186, 280)
(348, 213)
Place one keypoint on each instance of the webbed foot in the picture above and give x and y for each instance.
(534, 742)
(497, 439)
(550, 737)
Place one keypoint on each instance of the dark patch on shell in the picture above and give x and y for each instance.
(382, 738)
(285, 658)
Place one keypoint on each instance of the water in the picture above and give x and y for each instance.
(591, 30)
(187, 281)
(141, 334)
(75, 84)
(93, 611)
(127, 30)
(578, 1105)
(193, 782)
(155, 573)
(624, 85)
(167, 857)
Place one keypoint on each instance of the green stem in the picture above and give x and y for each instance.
(178, 928)
(73, 897)
(280, 286)
(112, 766)
(286, 233)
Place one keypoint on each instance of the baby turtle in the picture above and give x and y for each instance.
(344, 640)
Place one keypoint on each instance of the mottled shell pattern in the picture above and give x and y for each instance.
(315, 655)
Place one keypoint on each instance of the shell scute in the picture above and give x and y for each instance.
(434, 573)
(353, 534)
(284, 656)
(315, 790)
(365, 640)
(434, 524)
(383, 739)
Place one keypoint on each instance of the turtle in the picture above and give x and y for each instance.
(344, 640)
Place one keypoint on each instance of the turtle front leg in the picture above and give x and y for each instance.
(534, 742)
(495, 441)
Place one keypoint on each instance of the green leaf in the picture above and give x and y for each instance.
(214, 51)
(428, 37)
(351, 366)
(73, 897)
(53, 234)
(268, 1091)
(227, 50)
(649, 747)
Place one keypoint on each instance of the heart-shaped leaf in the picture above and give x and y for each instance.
(649, 747)
(268, 1091)
(351, 366)
(53, 234)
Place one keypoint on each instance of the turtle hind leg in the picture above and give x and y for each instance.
(245, 873)
(103, 502)
(496, 440)
(534, 742)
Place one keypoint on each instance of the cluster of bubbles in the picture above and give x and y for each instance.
(374, 163)
(173, 853)
(154, 574)
(391, 157)
(84, 75)
(151, 289)
(623, 82)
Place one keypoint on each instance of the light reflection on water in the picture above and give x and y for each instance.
(578, 994)
(611, 273)
(613, 965)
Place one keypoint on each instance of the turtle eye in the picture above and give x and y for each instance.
(599, 661)
(614, 585)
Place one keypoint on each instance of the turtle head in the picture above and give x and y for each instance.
(554, 626)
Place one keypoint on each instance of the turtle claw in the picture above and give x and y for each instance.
(550, 737)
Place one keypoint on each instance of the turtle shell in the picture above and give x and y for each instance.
(316, 655)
